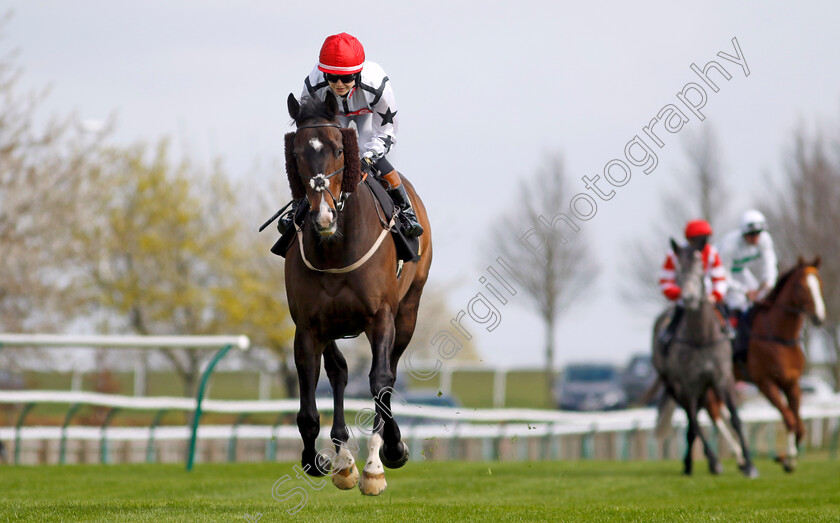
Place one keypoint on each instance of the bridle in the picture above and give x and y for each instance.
(319, 181)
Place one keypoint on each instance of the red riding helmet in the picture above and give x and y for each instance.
(696, 228)
(341, 54)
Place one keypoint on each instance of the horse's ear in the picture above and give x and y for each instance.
(674, 246)
(295, 184)
(352, 162)
(294, 106)
(331, 104)
(817, 262)
(800, 262)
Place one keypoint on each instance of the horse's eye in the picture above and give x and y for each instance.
(339, 152)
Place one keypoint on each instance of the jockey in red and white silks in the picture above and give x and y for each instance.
(749, 256)
(712, 265)
(697, 233)
(370, 103)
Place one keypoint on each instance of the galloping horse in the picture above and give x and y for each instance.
(699, 359)
(342, 280)
(775, 360)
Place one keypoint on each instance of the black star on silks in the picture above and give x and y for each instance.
(387, 116)
(387, 141)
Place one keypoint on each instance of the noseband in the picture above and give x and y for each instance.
(319, 181)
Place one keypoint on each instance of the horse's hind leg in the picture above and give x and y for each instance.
(308, 363)
(344, 472)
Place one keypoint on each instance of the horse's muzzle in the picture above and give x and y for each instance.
(324, 220)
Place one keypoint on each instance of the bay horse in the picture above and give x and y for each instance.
(341, 281)
(699, 359)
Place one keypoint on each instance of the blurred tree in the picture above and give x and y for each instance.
(42, 170)
(46, 166)
(700, 191)
(170, 254)
(563, 268)
(803, 214)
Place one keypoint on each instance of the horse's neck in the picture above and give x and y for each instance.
(701, 324)
(778, 319)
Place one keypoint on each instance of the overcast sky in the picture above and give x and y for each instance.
(484, 95)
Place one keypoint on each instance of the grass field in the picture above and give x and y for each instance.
(567, 491)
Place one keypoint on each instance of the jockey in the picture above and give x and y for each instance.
(366, 98)
(697, 233)
(750, 258)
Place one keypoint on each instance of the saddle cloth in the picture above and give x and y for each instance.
(407, 248)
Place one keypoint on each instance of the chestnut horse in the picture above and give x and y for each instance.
(775, 359)
(341, 280)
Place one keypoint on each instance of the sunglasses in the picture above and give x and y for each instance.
(345, 79)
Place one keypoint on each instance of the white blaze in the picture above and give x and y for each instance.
(324, 217)
(819, 304)
(316, 144)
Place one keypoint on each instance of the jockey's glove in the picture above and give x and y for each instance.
(367, 164)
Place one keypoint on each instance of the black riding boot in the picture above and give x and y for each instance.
(667, 335)
(727, 327)
(288, 217)
(411, 227)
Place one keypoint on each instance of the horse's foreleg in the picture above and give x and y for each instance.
(771, 392)
(394, 453)
(308, 363)
(742, 453)
(344, 471)
(714, 464)
(690, 436)
(793, 394)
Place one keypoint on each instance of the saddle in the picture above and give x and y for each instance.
(742, 340)
(408, 249)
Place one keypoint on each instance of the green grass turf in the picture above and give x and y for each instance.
(433, 491)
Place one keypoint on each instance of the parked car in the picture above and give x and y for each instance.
(638, 377)
(10, 381)
(590, 386)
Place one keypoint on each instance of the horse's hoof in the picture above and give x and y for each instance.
(715, 468)
(320, 467)
(789, 464)
(347, 478)
(749, 471)
(372, 484)
(396, 463)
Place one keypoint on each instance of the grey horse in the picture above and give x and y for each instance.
(698, 358)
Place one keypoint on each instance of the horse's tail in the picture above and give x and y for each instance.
(663, 417)
(651, 391)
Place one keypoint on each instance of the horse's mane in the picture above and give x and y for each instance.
(313, 107)
(780, 284)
